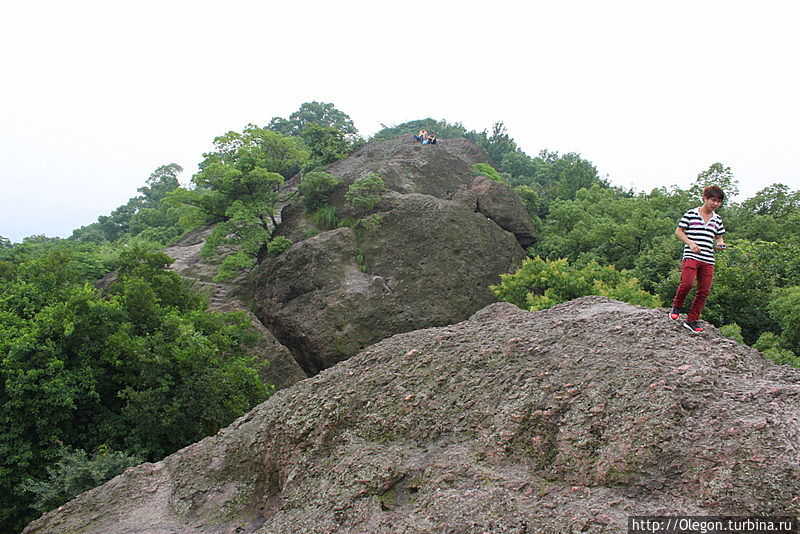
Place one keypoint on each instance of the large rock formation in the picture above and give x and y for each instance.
(565, 420)
(428, 263)
(441, 240)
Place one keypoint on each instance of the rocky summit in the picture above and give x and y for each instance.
(564, 420)
(433, 245)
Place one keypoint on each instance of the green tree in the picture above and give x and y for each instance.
(716, 174)
(326, 145)
(745, 278)
(775, 200)
(540, 284)
(773, 346)
(365, 192)
(519, 164)
(321, 114)
(143, 370)
(75, 472)
(237, 189)
(442, 128)
(142, 213)
(498, 144)
(606, 225)
(784, 309)
(316, 188)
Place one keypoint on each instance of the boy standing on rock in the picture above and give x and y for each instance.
(699, 229)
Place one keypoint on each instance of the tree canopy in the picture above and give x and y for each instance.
(143, 370)
(320, 114)
(237, 190)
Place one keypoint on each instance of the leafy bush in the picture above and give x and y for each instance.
(144, 368)
(278, 244)
(486, 170)
(365, 192)
(316, 188)
(733, 331)
(74, 472)
(774, 348)
(784, 309)
(540, 284)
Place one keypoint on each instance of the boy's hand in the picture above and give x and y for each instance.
(694, 248)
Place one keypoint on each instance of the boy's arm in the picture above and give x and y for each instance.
(720, 241)
(680, 234)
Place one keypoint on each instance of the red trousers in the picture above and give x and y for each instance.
(704, 272)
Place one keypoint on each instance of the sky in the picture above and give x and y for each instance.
(95, 95)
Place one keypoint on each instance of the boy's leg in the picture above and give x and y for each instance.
(705, 277)
(688, 274)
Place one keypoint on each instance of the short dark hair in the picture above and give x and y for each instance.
(714, 191)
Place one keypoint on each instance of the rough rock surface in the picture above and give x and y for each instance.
(281, 369)
(565, 420)
(428, 262)
(496, 202)
(407, 166)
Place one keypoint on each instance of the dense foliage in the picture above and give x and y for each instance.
(237, 190)
(755, 282)
(540, 284)
(141, 370)
(328, 133)
(144, 217)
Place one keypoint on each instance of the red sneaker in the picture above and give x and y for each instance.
(693, 326)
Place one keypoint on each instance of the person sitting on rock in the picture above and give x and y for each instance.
(423, 134)
(431, 140)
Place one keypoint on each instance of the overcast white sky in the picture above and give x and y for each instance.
(94, 96)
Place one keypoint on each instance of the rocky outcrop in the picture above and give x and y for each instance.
(409, 167)
(275, 363)
(565, 420)
(496, 202)
(428, 258)
(429, 262)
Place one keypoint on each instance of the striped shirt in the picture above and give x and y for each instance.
(702, 233)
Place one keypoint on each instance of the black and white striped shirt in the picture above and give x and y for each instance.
(702, 233)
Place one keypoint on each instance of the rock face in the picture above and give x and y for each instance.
(409, 167)
(565, 420)
(278, 366)
(496, 202)
(427, 262)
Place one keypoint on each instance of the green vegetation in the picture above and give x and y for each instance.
(316, 188)
(328, 133)
(365, 192)
(540, 284)
(314, 113)
(484, 169)
(92, 382)
(145, 218)
(142, 370)
(237, 190)
(75, 472)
